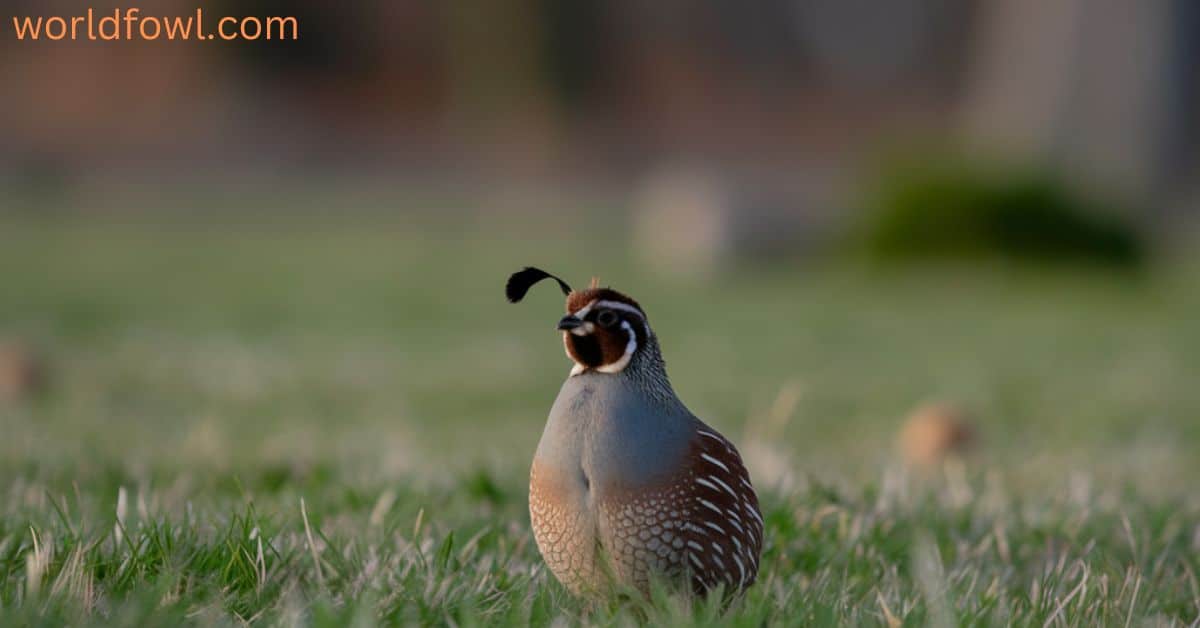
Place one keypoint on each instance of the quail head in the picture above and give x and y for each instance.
(627, 485)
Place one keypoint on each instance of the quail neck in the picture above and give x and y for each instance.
(626, 483)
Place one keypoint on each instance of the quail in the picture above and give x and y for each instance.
(627, 485)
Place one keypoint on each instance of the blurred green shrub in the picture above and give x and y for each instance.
(951, 210)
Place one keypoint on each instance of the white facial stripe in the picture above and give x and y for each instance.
(583, 311)
(630, 348)
(612, 305)
(617, 305)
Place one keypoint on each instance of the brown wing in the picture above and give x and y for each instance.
(725, 530)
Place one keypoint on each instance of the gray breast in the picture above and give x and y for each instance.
(605, 425)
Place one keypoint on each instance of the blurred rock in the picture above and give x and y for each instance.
(691, 222)
(935, 432)
(22, 372)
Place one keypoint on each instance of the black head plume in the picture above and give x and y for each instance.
(520, 282)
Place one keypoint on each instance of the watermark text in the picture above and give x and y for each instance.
(133, 25)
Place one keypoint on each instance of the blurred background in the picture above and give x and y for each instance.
(287, 257)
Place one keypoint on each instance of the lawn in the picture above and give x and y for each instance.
(328, 420)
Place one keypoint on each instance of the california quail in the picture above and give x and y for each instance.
(627, 484)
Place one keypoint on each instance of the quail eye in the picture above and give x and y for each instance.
(607, 318)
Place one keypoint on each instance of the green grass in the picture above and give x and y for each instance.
(219, 372)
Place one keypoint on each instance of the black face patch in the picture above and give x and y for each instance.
(609, 339)
(585, 350)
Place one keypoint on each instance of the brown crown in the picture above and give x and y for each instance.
(580, 298)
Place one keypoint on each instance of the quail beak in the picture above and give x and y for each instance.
(569, 323)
